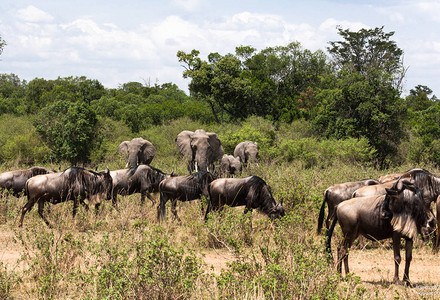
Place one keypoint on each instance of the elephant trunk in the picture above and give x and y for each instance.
(201, 164)
(132, 160)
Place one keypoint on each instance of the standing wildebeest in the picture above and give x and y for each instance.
(372, 190)
(430, 185)
(74, 183)
(252, 191)
(183, 188)
(142, 179)
(399, 213)
(15, 180)
(336, 194)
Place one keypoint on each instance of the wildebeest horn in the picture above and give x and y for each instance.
(108, 170)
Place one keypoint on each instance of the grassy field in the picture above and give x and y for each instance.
(128, 254)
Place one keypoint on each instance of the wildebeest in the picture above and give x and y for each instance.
(252, 192)
(371, 190)
(399, 213)
(335, 195)
(183, 188)
(74, 183)
(394, 177)
(142, 179)
(430, 185)
(14, 181)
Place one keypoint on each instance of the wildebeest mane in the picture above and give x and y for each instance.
(407, 211)
(427, 181)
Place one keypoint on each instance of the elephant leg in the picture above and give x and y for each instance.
(41, 213)
(397, 258)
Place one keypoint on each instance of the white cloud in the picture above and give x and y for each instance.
(34, 15)
(189, 5)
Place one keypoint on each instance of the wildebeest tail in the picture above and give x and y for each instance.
(26, 188)
(328, 235)
(321, 213)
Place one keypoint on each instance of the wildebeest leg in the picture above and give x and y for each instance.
(437, 232)
(174, 210)
(153, 201)
(97, 205)
(208, 210)
(41, 213)
(408, 258)
(343, 253)
(27, 207)
(75, 207)
(397, 258)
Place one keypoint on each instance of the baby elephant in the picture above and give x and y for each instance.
(230, 165)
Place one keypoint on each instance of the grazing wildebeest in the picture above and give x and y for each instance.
(399, 214)
(371, 190)
(252, 192)
(336, 194)
(142, 179)
(14, 181)
(74, 183)
(183, 188)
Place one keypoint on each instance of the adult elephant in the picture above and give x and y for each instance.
(137, 151)
(200, 148)
(247, 152)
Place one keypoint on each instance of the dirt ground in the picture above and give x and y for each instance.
(375, 267)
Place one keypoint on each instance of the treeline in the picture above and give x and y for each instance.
(352, 94)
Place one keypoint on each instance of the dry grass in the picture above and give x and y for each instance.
(128, 254)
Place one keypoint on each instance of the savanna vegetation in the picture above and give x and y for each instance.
(318, 120)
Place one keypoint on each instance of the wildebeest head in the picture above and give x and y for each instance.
(406, 205)
(268, 204)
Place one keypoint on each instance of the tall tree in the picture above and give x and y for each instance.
(367, 49)
(365, 101)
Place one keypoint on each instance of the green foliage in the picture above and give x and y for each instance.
(254, 129)
(68, 129)
(311, 152)
(19, 142)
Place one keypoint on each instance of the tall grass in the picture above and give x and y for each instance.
(127, 254)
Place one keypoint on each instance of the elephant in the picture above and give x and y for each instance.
(247, 152)
(230, 165)
(137, 151)
(200, 148)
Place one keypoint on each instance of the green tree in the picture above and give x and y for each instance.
(420, 98)
(68, 129)
(368, 49)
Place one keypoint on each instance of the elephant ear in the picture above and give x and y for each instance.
(183, 143)
(216, 145)
(123, 148)
(147, 151)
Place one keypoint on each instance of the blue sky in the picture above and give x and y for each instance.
(121, 41)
